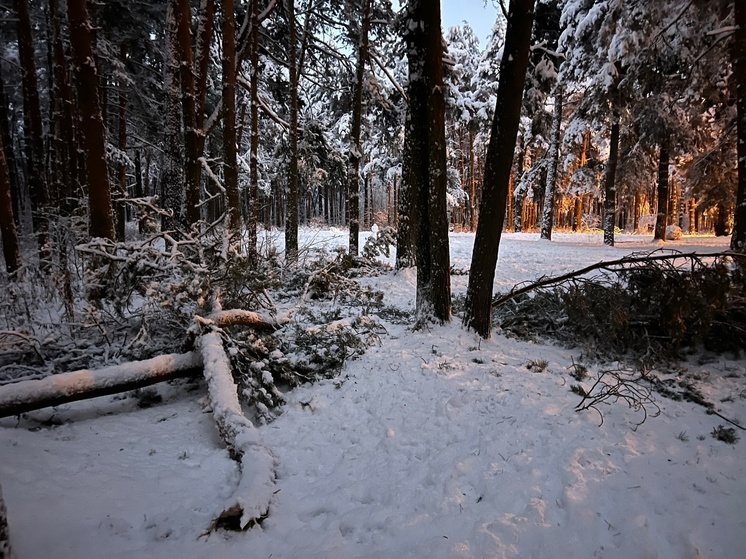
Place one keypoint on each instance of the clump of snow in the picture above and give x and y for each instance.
(673, 233)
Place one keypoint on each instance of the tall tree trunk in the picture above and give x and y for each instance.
(353, 172)
(121, 206)
(9, 152)
(427, 162)
(230, 166)
(172, 177)
(406, 218)
(478, 306)
(253, 217)
(34, 138)
(7, 224)
(518, 196)
(691, 207)
(89, 105)
(188, 107)
(291, 216)
(472, 185)
(610, 183)
(662, 217)
(738, 239)
(577, 224)
(547, 221)
(201, 67)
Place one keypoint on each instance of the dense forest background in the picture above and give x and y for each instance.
(126, 121)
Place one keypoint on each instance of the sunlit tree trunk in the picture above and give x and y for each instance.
(92, 125)
(662, 216)
(610, 183)
(551, 185)
(478, 306)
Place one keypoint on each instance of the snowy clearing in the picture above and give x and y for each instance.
(432, 445)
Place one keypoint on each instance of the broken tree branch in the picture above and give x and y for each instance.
(609, 265)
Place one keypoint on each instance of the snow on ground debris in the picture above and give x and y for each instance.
(433, 445)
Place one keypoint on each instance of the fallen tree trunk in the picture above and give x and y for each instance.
(250, 501)
(55, 390)
(64, 388)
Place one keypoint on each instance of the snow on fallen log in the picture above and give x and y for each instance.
(250, 501)
(64, 388)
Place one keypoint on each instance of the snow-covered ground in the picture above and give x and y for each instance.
(435, 444)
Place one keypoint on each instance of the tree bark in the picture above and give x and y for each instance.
(662, 216)
(121, 206)
(9, 152)
(610, 183)
(172, 177)
(38, 188)
(427, 161)
(7, 224)
(551, 186)
(353, 172)
(291, 216)
(253, 217)
(188, 106)
(230, 166)
(478, 306)
(738, 239)
(89, 104)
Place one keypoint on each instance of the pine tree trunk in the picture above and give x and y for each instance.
(9, 152)
(691, 207)
(472, 185)
(738, 239)
(478, 306)
(427, 162)
(121, 206)
(172, 177)
(39, 191)
(253, 216)
(94, 137)
(610, 184)
(7, 224)
(662, 217)
(353, 172)
(291, 216)
(518, 196)
(230, 166)
(547, 220)
(406, 218)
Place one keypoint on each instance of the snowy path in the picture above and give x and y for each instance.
(434, 445)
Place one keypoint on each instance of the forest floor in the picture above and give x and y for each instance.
(434, 444)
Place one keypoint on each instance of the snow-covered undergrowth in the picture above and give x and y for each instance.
(433, 444)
